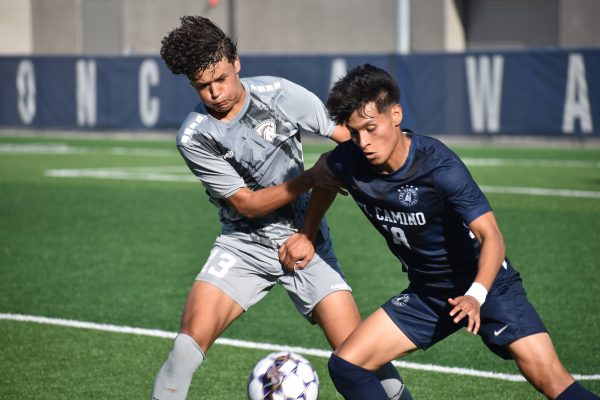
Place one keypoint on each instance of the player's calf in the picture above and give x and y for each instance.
(354, 382)
(577, 392)
(174, 378)
(392, 383)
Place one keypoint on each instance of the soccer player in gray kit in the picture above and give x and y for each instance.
(243, 143)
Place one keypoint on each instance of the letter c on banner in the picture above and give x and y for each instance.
(149, 106)
(26, 91)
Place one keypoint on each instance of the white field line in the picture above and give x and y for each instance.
(170, 174)
(514, 162)
(266, 346)
(586, 194)
(35, 148)
(121, 174)
(62, 148)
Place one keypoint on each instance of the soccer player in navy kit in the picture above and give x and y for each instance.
(243, 143)
(422, 199)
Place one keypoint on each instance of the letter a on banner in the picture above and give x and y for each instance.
(577, 102)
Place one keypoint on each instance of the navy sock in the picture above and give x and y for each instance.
(392, 383)
(354, 382)
(577, 392)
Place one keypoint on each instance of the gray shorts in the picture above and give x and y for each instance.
(246, 271)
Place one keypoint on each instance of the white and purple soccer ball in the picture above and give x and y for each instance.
(283, 376)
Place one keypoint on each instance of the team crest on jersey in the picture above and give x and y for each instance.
(401, 300)
(408, 195)
(266, 130)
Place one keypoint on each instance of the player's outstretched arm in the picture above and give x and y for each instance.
(340, 134)
(491, 257)
(258, 203)
(297, 251)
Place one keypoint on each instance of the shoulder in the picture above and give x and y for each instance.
(345, 158)
(196, 125)
(433, 147)
(345, 150)
(432, 154)
(274, 87)
(264, 84)
(449, 174)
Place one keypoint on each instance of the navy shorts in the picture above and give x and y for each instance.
(506, 316)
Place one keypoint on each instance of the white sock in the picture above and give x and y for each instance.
(174, 378)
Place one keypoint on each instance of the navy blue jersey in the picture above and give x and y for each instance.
(422, 210)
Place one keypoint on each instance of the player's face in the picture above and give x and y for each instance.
(379, 136)
(220, 89)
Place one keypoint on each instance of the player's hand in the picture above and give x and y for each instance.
(324, 178)
(296, 252)
(466, 306)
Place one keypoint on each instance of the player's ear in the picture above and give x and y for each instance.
(397, 114)
(237, 65)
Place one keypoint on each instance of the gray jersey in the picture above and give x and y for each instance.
(261, 147)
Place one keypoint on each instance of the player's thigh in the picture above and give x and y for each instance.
(376, 341)
(337, 315)
(537, 359)
(308, 287)
(242, 269)
(534, 349)
(507, 316)
(207, 313)
(236, 275)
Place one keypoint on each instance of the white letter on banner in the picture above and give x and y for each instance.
(484, 84)
(26, 91)
(339, 69)
(577, 103)
(149, 106)
(86, 92)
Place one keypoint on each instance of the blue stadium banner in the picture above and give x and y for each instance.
(545, 92)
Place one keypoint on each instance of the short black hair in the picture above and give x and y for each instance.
(196, 45)
(362, 85)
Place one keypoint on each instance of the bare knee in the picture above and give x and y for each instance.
(337, 315)
(550, 380)
(539, 363)
(193, 329)
(207, 313)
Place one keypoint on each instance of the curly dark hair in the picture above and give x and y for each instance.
(362, 85)
(196, 45)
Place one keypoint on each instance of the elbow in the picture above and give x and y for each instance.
(250, 212)
(244, 202)
(501, 246)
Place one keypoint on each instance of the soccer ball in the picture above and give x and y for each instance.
(283, 376)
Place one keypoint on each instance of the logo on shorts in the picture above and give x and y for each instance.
(266, 130)
(401, 300)
(408, 195)
(340, 286)
(499, 331)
